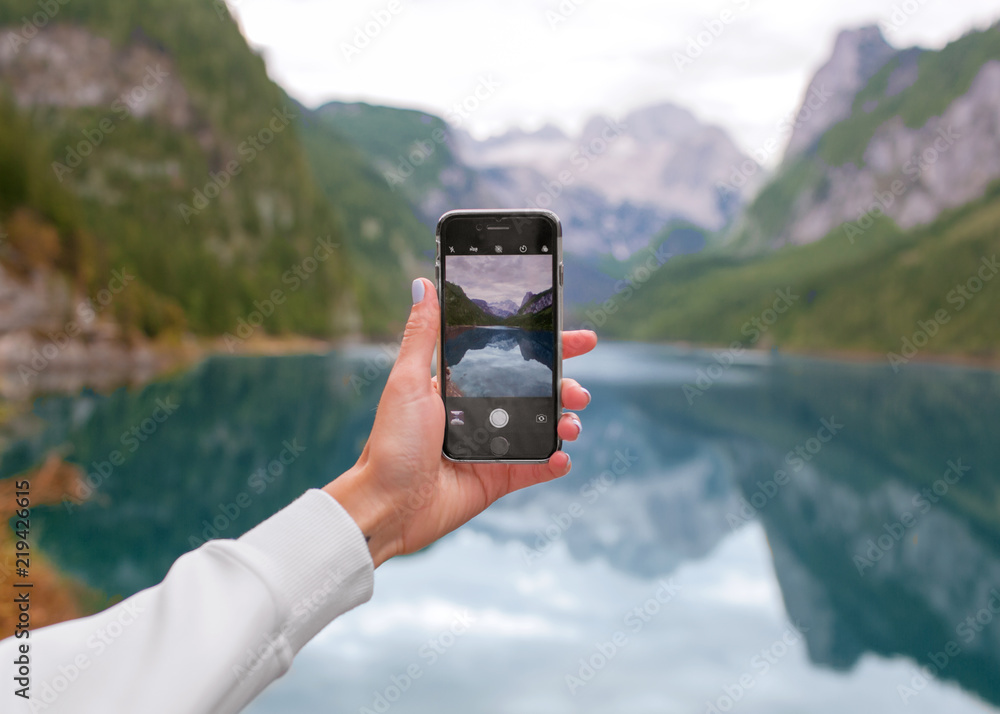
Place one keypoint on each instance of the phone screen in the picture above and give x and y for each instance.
(500, 321)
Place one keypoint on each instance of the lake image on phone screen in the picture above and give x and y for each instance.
(498, 339)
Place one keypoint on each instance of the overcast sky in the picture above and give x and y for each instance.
(500, 277)
(535, 64)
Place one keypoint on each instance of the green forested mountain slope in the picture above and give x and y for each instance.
(381, 133)
(387, 245)
(140, 195)
(461, 310)
(867, 296)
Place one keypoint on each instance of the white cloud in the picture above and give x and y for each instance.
(608, 56)
(524, 641)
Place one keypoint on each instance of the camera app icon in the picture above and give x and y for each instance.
(541, 418)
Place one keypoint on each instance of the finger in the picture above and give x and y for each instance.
(557, 466)
(570, 427)
(578, 342)
(419, 338)
(573, 395)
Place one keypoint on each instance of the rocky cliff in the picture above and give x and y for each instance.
(857, 56)
(911, 174)
(905, 134)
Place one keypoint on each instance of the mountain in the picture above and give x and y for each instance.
(852, 279)
(533, 303)
(387, 244)
(921, 137)
(501, 309)
(857, 56)
(504, 307)
(462, 310)
(174, 159)
(616, 184)
(876, 296)
(413, 153)
(535, 314)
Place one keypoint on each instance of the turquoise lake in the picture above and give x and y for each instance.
(799, 536)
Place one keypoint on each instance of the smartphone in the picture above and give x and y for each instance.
(500, 279)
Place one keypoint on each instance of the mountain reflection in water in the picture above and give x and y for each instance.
(664, 485)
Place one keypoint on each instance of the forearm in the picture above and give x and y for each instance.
(225, 622)
(376, 516)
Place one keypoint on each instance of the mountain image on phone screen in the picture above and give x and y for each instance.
(499, 337)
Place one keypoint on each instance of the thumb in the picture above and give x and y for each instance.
(420, 336)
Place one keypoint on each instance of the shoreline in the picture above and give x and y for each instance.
(105, 366)
(27, 372)
(838, 355)
(292, 345)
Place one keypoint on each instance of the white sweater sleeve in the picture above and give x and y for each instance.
(224, 623)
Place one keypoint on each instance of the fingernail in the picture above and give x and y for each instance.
(589, 398)
(417, 290)
(579, 426)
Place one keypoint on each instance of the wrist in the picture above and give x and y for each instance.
(374, 516)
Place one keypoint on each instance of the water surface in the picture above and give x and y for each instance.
(731, 517)
(500, 361)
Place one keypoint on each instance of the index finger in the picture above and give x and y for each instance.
(578, 342)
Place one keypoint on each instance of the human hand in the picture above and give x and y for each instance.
(402, 492)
